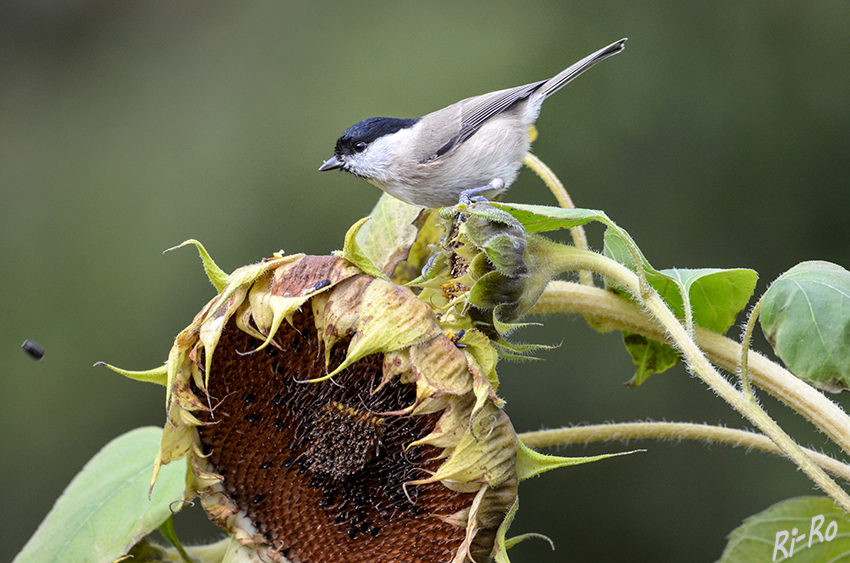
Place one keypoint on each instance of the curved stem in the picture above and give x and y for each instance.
(563, 198)
(575, 259)
(612, 312)
(670, 431)
(746, 388)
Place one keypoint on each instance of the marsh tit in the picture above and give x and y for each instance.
(471, 148)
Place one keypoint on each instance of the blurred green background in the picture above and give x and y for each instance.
(719, 138)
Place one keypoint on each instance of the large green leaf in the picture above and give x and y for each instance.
(799, 530)
(105, 510)
(805, 315)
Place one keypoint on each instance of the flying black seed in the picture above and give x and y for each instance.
(34, 349)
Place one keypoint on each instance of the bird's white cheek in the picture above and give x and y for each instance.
(380, 163)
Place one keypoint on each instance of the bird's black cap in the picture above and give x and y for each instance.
(368, 130)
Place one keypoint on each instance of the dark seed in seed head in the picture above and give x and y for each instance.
(252, 417)
(414, 510)
(343, 440)
(351, 482)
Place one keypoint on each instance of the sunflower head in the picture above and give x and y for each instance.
(329, 417)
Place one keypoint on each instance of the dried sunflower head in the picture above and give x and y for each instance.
(329, 418)
(330, 414)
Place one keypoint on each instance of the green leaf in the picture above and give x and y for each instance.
(770, 535)
(715, 297)
(540, 218)
(805, 315)
(105, 510)
(649, 356)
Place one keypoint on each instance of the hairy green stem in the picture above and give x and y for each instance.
(586, 434)
(576, 259)
(612, 312)
(563, 198)
(746, 388)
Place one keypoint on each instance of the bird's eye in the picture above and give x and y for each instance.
(360, 146)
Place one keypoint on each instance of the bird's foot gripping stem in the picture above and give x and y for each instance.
(474, 194)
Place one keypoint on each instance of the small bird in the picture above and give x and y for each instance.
(469, 149)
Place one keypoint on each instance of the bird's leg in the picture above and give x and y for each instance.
(473, 194)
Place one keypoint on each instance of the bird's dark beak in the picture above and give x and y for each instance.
(333, 163)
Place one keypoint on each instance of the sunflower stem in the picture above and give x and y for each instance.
(576, 259)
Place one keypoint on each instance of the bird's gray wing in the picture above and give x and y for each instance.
(475, 112)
